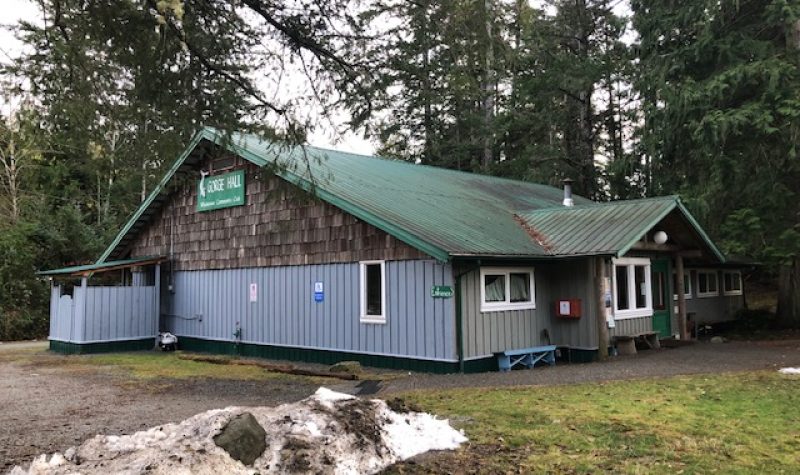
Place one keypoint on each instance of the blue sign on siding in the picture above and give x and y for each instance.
(319, 292)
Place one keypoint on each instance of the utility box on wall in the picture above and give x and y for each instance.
(568, 308)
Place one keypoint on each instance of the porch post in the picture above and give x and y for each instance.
(602, 324)
(681, 297)
(157, 302)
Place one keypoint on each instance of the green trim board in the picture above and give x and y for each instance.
(69, 348)
(105, 266)
(328, 357)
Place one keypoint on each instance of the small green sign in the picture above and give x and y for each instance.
(441, 291)
(220, 191)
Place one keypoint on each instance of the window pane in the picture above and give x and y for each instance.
(702, 282)
(687, 284)
(659, 291)
(641, 286)
(374, 293)
(520, 287)
(494, 288)
(733, 281)
(622, 288)
(712, 282)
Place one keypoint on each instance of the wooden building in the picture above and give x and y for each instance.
(308, 254)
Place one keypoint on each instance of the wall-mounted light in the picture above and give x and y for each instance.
(660, 237)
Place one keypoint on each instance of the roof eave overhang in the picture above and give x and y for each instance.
(692, 222)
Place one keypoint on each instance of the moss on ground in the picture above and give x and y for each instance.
(731, 423)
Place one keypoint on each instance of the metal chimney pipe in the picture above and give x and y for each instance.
(567, 192)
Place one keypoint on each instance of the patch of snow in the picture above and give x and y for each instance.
(328, 432)
(789, 370)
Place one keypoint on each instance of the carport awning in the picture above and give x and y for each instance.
(104, 266)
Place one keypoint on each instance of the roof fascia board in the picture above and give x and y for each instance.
(701, 231)
(198, 137)
(693, 222)
(627, 247)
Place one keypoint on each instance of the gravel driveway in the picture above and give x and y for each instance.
(49, 407)
(45, 407)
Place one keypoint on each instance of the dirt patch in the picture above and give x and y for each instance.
(358, 417)
(49, 403)
(398, 404)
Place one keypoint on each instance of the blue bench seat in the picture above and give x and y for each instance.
(526, 356)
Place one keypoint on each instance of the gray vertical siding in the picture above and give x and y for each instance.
(631, 326)
(119, 313)
(708, 310)
(573, 279)
(62, 309)
(489, 332)
(98, 314)
(209, 303)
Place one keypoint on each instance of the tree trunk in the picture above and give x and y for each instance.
(488, 89)
(789, 293)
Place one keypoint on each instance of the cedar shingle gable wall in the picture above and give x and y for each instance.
(278, 225)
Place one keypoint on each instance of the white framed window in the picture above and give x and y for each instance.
(372, 283)
(507, 288)
(732, 282)
(707, 283)
(633, 296)
(687, 285)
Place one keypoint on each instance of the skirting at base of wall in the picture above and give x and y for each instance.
(577, 355)
(330, 357)
(68, 348)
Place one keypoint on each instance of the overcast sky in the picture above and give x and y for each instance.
(15, 10)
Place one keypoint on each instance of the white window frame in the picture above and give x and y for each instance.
(727, 292)
(705, 295)
(362, 284)
(632, 311)
(687, 277)
(507, 304)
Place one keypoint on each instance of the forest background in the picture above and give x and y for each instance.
(630, 99)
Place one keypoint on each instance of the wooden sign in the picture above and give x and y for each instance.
(220, 191)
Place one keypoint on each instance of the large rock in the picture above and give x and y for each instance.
(243, 438)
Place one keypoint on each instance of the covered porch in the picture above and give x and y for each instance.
(110, 306)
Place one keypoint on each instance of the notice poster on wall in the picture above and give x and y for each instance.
(609, 308)
(253, 292)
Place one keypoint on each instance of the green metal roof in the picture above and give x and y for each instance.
(605, 228)
(103, 267)
(444, 213)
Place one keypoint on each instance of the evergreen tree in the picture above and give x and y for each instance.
(721, 84)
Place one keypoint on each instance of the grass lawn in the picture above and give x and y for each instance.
(732, 423)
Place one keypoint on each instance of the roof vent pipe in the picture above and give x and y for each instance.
(567, 192)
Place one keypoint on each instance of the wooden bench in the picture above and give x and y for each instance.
(626, 344)
(526, 356)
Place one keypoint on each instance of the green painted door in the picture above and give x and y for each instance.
(661, 292)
